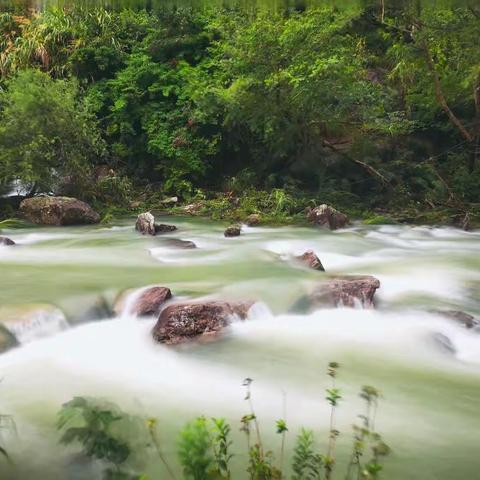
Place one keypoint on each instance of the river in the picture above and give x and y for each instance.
(427, 366)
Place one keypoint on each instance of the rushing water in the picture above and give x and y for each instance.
(429, 413)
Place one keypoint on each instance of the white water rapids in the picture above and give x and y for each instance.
(427, 366)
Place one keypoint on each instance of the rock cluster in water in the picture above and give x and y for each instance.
(46, 210)
(146, 225)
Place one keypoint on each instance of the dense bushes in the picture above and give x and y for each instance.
(345, 104)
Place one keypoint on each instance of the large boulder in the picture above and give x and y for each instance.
(31, 321)
(185, 321)
(5, 241)
(310, 260)
(58, 211)
(324, 215)
(145, 224)
(233, 231)
(346, 291)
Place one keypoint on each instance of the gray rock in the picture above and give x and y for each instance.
(145, 224)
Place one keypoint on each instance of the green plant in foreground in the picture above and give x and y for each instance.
(307, 464)
(366, 439)
(205, 445)
(194, 450)
(333, 397)
(91, 423)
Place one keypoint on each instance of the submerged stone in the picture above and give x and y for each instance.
(32, 321)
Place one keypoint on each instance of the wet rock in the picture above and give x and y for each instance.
(145, 224)
(31, 321)
(345, 291)
(141, 302)
(233, 231)
(310, 259)
(178, 243)
(324, 215)
(5, 241)
(150, 301)
(7, 340)
(163, 228)
(193, 208)
(253, 220)
(185, 321)
(464, 318)
(58, 211)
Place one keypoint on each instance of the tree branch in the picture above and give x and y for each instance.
(372, 171)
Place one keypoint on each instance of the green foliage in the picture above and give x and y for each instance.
(307, 464)
(103, 431)
(221, 448)
(333, 103)
(194, 450)
(205, 447)
(46, 135)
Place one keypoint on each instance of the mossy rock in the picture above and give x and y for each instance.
(380, 220)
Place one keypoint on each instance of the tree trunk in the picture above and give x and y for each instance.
(441, 97)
